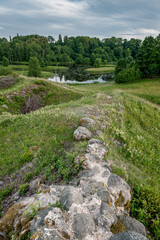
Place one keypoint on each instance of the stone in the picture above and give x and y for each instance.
(102, 221)
(129, 235)
(103, 194)
(34, 185)
(51, 234)
(15, 197)
(83, 225)
(97, 147)
(1, 183)
(69, 196)
(38, 221)
(82, 133)
(109, 212)
(119, 188)
(131, 224)
(5, 106)
(106, 173)
(87, 122)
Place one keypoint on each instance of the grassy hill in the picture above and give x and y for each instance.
(40, 142)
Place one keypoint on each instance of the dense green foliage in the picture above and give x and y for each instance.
(81, 50)
(148, 58)
(129, 74)
(34, 67)
(5, 62)
(4, 71)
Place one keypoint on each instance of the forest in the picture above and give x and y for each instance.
(134, 58)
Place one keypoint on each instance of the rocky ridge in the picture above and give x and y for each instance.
(94, 206)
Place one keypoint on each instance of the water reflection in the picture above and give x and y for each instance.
(78, 75)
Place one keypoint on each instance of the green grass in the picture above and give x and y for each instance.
(44, 91)
(134, 121)
(133, 116)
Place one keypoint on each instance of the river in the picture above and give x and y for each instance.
(78, 75)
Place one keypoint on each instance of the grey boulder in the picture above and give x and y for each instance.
(129, 235)
(82, 133)
(131, 224)
(83, 225)
(69, 196)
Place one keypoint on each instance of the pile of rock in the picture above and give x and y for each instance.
(94, 206)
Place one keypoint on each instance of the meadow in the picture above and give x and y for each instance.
(131, 113)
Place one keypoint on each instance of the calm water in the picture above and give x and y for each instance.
(78, 75)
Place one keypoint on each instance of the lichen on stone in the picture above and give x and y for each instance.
(117, 227)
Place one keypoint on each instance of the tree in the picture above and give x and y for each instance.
(5, 62)
(121, 65)
(97, 62)
(34, 67)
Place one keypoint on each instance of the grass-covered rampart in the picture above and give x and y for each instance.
(132, 134)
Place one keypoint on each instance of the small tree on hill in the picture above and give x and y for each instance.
(97, 62)
(34, 67)
(5, 62)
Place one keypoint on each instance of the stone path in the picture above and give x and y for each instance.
(93, 206)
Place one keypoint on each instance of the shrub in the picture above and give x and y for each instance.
(4, 71)
(97, 62)
(34, 67)
(5, 62)
(127, 75)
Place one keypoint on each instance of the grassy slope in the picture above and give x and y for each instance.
(133, 116)
(134, 121)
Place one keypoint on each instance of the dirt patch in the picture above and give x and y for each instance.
(31, 104)
(6, 82)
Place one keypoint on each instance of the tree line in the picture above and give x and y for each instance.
(79, 50)
(146, 63)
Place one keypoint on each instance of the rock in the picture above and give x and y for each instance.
(82, 133)
(109, 97)
(103, 194)
(102, 221)
(106, 173)
(69, 196)
(119, 188)
(83, 225)
(87, 122)
(131, 224)
(96, 147)
(109, 212)
(34, 185)
(5, 106)
(15, 197)
(1, 183)
(129, 235)
(51, 234)
(38, 221)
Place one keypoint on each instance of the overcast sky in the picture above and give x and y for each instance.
(94, 18)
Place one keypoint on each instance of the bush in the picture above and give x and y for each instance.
(97, 62)
(34, 67)
(5, 62)
(127, 75)
(5, 71)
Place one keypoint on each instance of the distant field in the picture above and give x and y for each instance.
(48, 68)
(110, 68)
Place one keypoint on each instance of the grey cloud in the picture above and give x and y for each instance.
(103, 18)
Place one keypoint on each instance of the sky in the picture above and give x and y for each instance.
(94, 18)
